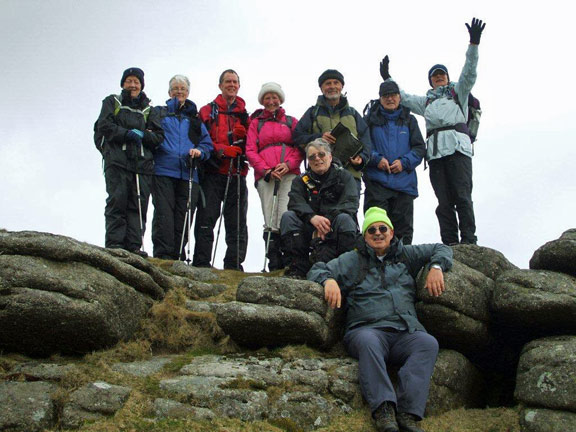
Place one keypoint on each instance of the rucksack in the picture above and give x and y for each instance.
(289, 121)
(474, 114)
(99, 137)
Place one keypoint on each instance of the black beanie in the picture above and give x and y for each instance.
(330, 74)
(133, 71)
(388, 87)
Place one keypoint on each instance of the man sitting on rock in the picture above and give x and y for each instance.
(321, 212)
(378, 282)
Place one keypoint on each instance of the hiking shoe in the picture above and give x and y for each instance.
(294, 273)
(385, 418)
(408, 422)
(140, 253)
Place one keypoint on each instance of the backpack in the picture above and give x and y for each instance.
(474, 114)
(289, 121)
(99, 138)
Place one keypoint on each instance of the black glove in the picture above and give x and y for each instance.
(133, 137)
(475, 30)
(384, 73)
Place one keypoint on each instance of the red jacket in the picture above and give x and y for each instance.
(220, 120)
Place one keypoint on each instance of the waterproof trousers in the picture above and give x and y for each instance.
(214, 188)
(170, 198)
(451, 178)
(398, 205)
(122, 214)
(414, 353)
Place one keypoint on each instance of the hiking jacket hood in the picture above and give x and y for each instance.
(172, 156)
(264, 149)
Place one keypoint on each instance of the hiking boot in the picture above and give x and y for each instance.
(294, 273)
(140, 253)
(408, 422)
(385, 418)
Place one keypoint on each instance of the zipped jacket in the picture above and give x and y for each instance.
(220, 120)
(273, 144)
(395, 135)
(172, 156)
(386, 295)
(329, 195)
(116, 150)
(440, 110)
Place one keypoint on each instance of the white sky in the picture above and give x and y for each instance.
(59, 59)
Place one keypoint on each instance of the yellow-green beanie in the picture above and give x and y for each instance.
(375, 214)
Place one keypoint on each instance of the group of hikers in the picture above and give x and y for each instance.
(190, 159)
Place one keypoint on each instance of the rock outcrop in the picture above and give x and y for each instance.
(557, 255)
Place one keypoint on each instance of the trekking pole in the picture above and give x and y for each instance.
(221, 210)
(274, 209)
(238, 213)
(139, 197)
(188, 217)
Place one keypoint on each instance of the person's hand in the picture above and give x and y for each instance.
(239, 131)
(356, 160)
(435, 282)
(322, 225)
(133, 136)
(195, 153)
(232, 151)
(396, 166)
(327, 136)
(384, 69)
(332, 293)
(384, 165)
(280, 171)
(475, 30)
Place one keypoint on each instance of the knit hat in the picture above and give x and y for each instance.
(388, 87)
(375, 214)
(133, 71)
(271, 87)
(330, 74)
(434, 69)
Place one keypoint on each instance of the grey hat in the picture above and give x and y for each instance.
(330, 74)
(271, 87)
(388, 87)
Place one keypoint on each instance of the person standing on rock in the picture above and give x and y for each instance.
(127, 131)
(449, 154)
(276, 162)
(378, 281)
(224, 182)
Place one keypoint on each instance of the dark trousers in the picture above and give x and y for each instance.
(415, 354)
(170, 198)
(214, 188)
(398, 205)
(451, 178)
(121, 213)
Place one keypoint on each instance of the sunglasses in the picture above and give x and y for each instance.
(314, 156)
(381, 228)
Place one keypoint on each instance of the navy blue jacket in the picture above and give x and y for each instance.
(171, 157)
(395, 135)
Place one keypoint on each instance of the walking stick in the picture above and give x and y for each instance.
(221, 210)
(238, 213)
(188, 217)
(139, 197)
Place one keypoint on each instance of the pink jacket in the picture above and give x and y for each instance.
(260, 149)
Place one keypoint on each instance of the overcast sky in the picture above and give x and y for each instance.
(59, 59)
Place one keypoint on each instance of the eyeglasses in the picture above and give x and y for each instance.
(314, 156)
(382, 228)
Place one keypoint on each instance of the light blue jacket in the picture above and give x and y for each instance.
(440, 110)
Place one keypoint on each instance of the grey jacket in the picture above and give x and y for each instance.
(386, 295)
(440, 110)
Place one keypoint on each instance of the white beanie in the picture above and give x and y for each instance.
(271, 87)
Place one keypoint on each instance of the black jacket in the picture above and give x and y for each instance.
(120, 114)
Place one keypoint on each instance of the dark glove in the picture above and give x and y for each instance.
(239, 131)
(232, 151)
(384, 72)
(133, 137)
(475, 31)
